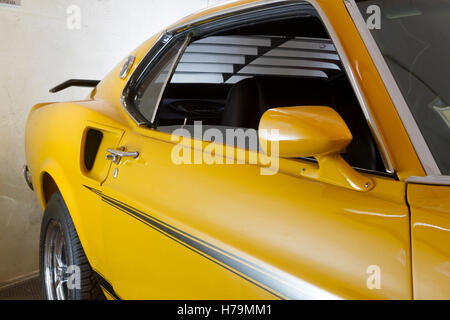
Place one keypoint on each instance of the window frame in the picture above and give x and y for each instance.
(151, 59)
(239, 16)
(433, 173)
(184, 43)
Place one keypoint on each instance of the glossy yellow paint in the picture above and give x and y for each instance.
(304, 131)
(60, 157)
(385, 116)
(278, 222)
(312, 131)
(430, 231)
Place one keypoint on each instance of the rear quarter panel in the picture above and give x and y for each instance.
(54, 139)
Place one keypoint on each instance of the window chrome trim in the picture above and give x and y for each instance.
(431, 180)
(134, 115)
(339, 49)
(417, 140)
(131, 112)
(362, 101)
(170, 74)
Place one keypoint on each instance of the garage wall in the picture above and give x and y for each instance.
(38, 50)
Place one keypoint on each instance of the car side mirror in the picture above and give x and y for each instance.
(313, 131)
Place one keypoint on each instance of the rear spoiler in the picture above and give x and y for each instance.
(75, 83)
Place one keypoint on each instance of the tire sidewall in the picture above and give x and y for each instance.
(57, 211)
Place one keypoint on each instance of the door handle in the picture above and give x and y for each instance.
(116, 155)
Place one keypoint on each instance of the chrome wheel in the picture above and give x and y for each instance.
(55, 264)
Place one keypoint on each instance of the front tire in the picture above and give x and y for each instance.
(64, 269)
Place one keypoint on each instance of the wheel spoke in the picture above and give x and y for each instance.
(59, 260)
(60, 291)
(55, 268)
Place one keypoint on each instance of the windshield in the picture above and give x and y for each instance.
(414, 38)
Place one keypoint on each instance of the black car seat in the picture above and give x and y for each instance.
(251, 97)
(244, 106)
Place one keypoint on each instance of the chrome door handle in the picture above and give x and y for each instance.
(116, 155)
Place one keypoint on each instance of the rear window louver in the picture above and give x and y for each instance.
(229, 59)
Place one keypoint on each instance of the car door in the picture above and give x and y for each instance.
(226, 231)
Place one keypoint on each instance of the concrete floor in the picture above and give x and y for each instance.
(26, 290)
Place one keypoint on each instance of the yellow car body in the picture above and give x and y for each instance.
(166, 231)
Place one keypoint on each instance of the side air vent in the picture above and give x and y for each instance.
(93, 140)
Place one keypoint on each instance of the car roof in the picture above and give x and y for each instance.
(221, 8)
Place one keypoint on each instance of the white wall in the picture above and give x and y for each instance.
(38, 51)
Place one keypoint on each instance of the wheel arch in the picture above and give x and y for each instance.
(52, 179)
(49, 187)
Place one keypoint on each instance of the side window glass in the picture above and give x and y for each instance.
(150, 92)
(229, 79)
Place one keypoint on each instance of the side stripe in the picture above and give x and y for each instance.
(278, 284)
(106, 285)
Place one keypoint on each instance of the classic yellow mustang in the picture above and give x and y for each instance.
(257, 150)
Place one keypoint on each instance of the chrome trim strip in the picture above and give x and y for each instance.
(372, 125)
(128, 64)
(274, 281)
(422, 150)
(134, 117)
(431, 180)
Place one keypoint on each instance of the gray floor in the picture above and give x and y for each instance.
(26, 290)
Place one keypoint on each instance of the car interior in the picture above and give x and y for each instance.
(230, 78)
